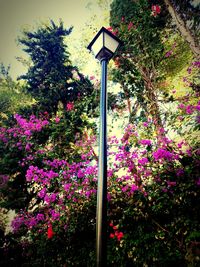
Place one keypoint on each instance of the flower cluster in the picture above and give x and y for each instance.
(50, 232)
(110, 29)
(156, 9)
(61, 186)
(70, 106)
(116, 234)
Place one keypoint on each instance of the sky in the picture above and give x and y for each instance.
(18, 14)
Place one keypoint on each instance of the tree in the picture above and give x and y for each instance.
(186, 17)
(51, 78)
(11, 95)
(57, 86)
(140, 57)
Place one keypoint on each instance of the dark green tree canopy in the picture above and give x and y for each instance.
(51, 78)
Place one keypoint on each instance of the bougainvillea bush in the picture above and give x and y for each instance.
(153, 192)
(49, 162)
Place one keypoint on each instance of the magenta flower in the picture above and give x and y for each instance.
(169, 53)
(70, 106)
(57, 119)
(134, 188)
(169, 183)
(130, 26)
(42, 193)
(40, 217)
(145, 142)
(145, 124)
(143, 161)
(162, 154)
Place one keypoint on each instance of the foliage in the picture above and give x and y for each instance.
(49, 164)
(51, 78)
(137, 65)
(156, 187)
(153, 60)
(12, 95)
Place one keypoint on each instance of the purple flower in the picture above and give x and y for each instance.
(53, 197)
(80, 174)
(40, 217)
(27, 132)
(17, 222)
(145, 142)
(3, 180)
(197, 107)
(42, 193)
(145, 124)
(55, 214)
(169, 183)
(189, 70)
(169, 53)
(28, 147)
(196, 64)
(162, 154)
(67, 187)
(143, 161)
(31, 222)
(189, 109)
(134, 188)
(179, 172)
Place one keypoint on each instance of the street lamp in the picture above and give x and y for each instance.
(103, 47)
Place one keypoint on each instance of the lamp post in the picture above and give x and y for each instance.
(103, 46)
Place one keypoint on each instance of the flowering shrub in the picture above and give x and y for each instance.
(153, 189)
(49, 173)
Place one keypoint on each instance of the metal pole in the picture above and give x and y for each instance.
(101, 227)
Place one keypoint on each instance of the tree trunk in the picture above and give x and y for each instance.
(183, 29)
(153, 106)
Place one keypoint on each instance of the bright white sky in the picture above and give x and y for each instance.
(17, 14)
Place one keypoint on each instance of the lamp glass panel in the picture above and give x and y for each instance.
(98, 44)
(110, 43)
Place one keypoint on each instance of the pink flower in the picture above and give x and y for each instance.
(169, 53)
(27, 147)
(179, 172)
(143, 161)
(189, 70)
(162, 154)
(119, 235)
(145, 142)
(189, 109)
(40, 217)
(57, 119)
(70, 106)
(42, 193)
(196, 64)
(67, 187)
(130, 25)
(134, 188)
(197, 107)
(110, 29)
(145, 124)
(55, 215)
(112, 235)
(156, 9)
(169, 183)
